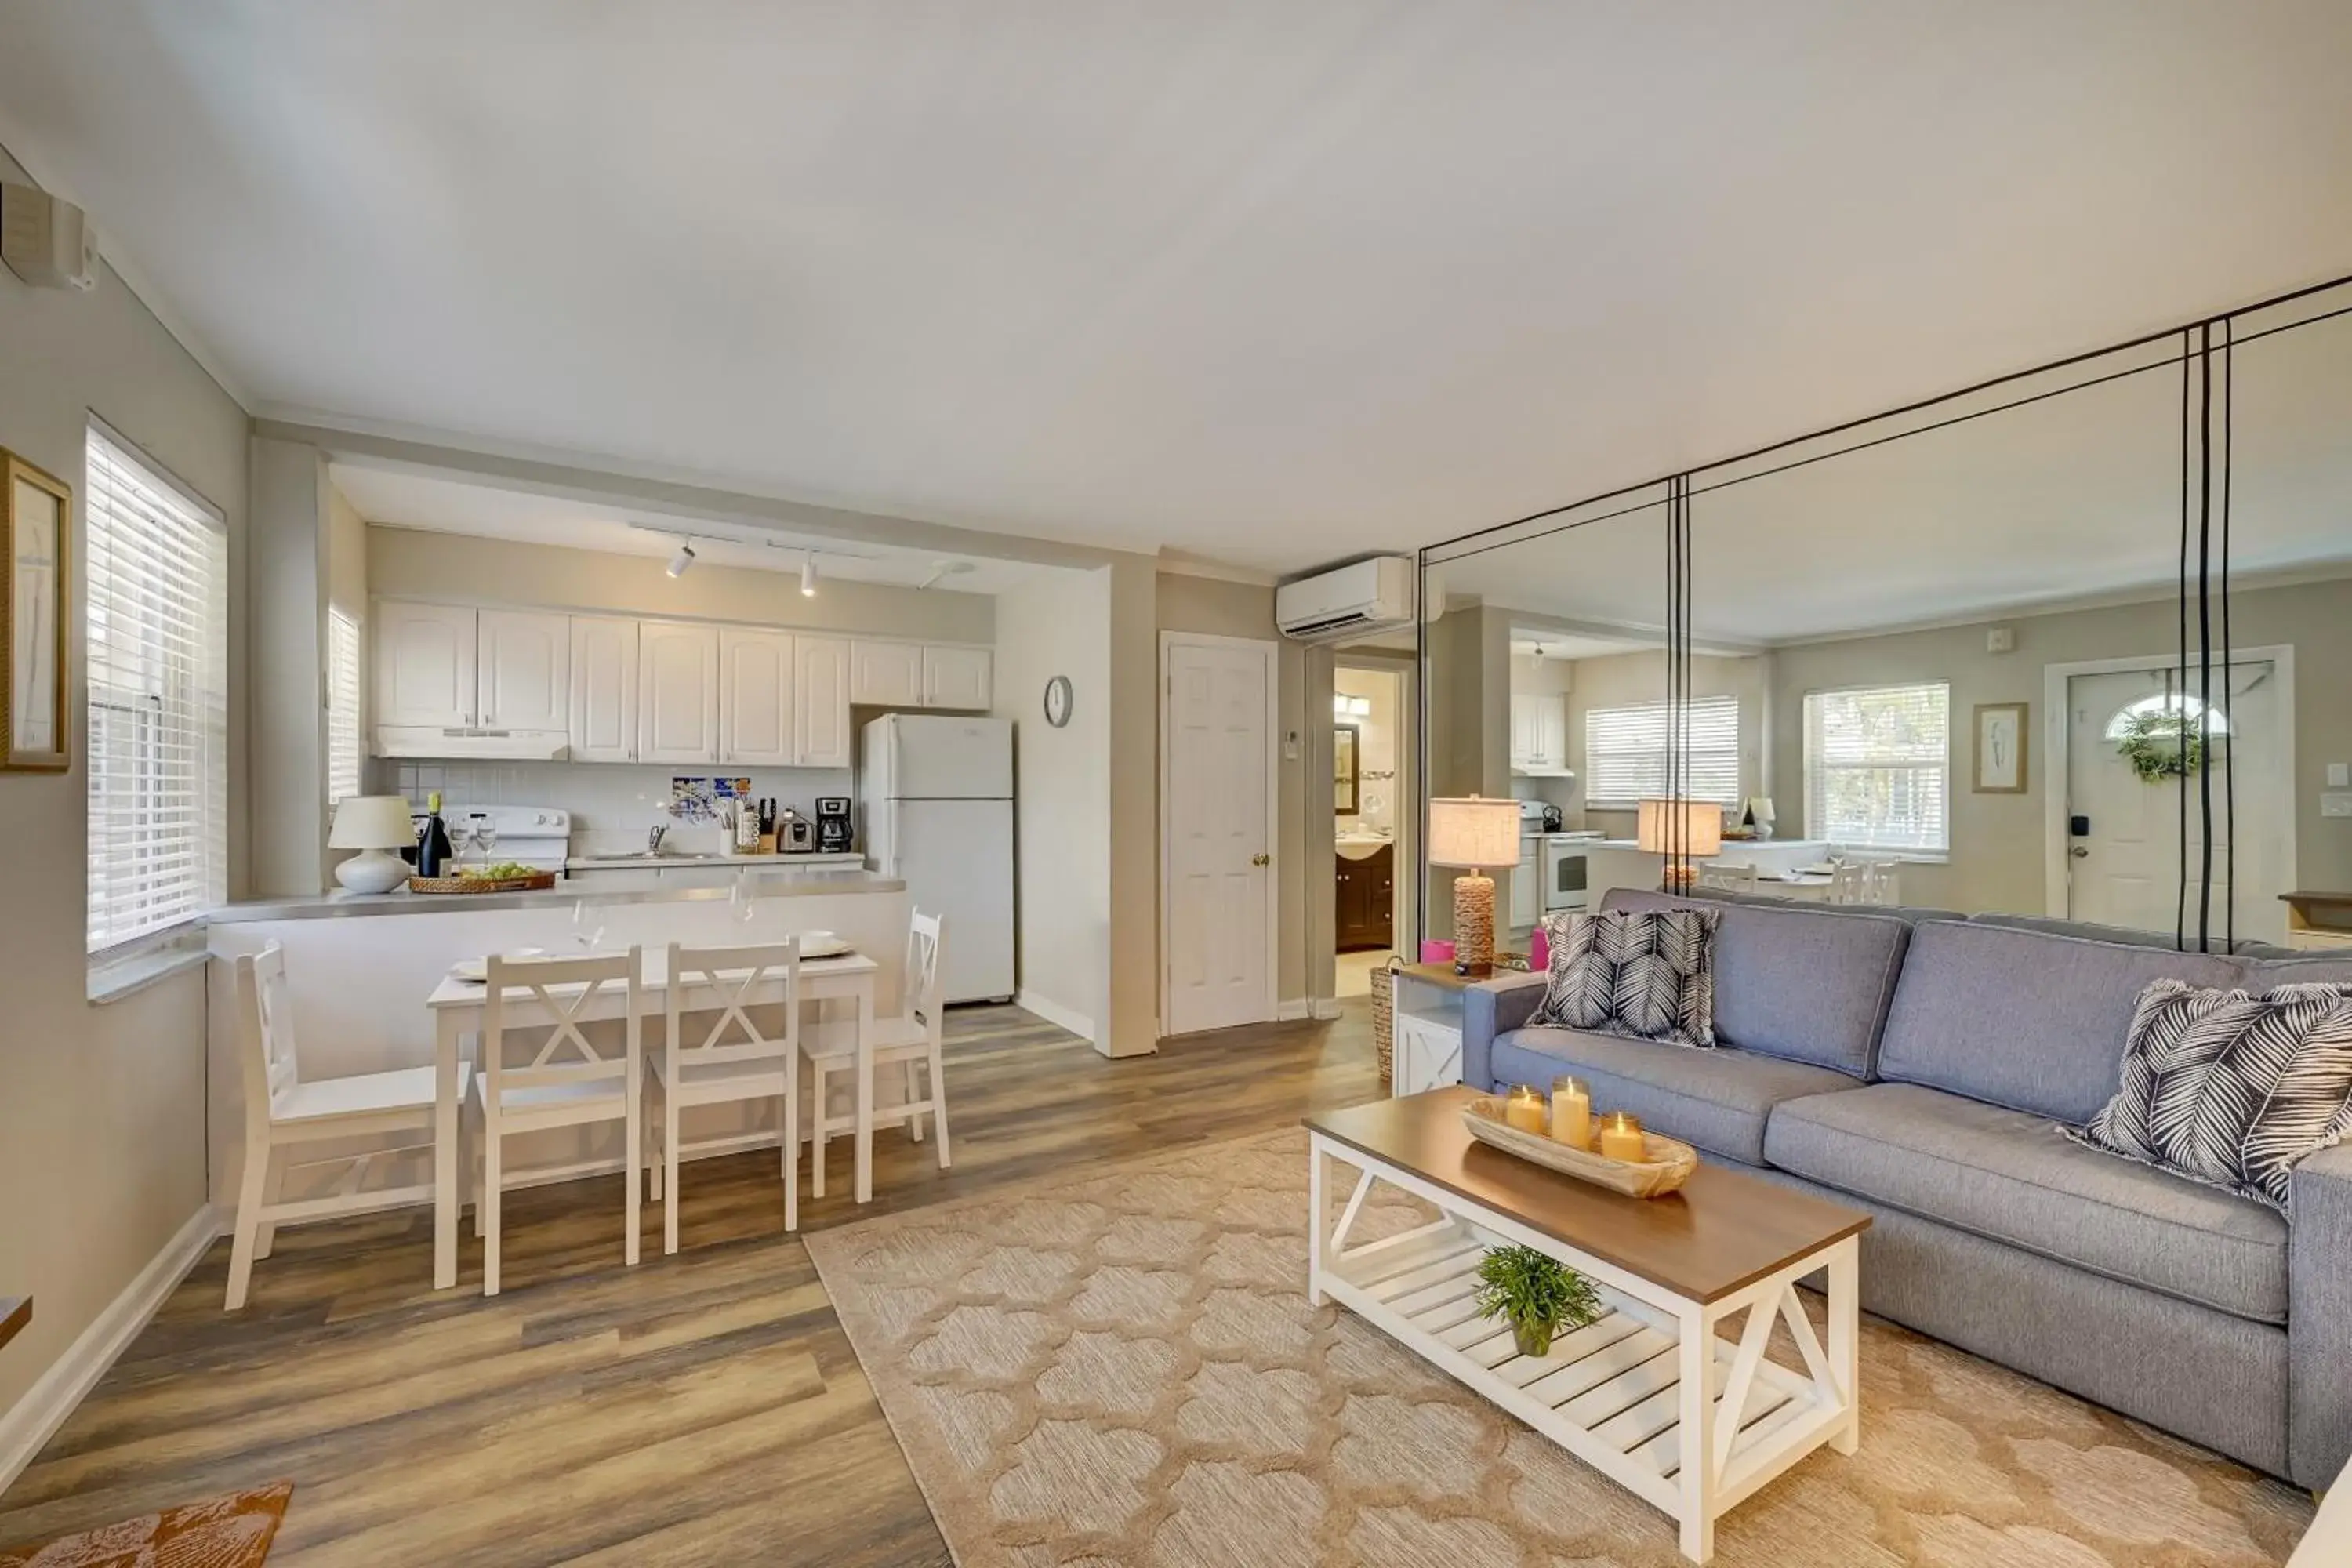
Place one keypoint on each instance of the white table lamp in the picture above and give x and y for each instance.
(1473, 832)
(373, 823)
(1683, 831)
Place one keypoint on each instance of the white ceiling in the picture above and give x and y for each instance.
(400, 499)
(1272, 282)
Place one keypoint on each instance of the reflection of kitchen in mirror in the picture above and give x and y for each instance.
(1366, 708)
(1936, 660)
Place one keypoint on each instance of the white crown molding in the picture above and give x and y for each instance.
(127, 271)
(1185, 564)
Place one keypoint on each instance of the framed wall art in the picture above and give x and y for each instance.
(2001, 748)
(35, 715)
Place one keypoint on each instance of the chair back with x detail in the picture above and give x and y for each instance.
(567, 1078)
(922, 977)
(739, 1057)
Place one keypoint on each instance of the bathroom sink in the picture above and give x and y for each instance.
(1361, 849)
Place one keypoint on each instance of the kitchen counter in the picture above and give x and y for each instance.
(802, 884)
(850, 858)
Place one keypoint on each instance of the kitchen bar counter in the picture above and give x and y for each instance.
(780, 862)
(763, 883)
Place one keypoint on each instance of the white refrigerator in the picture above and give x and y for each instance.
(938, 796)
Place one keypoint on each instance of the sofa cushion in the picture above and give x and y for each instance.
(2231, 1087)
(2022, 1018)
(1717, 1100)
(2301, 969)
(1648, 975)
(1803, 984)
(2013, 1177)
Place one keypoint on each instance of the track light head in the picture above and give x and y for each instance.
(682, 560)
(808, 575)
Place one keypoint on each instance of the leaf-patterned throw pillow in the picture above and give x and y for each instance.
(2231, 1089)
(1649, 976)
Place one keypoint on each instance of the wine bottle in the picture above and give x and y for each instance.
(433, 857)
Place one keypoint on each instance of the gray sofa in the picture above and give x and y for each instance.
(1919, 1064)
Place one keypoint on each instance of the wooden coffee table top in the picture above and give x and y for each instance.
(1720, 1232)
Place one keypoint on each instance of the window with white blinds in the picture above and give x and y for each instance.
(157, 657)
(1878, 768)
(1625, 753)
(343, 707)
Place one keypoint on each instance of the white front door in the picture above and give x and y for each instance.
(2126, 869)
(1217, 830)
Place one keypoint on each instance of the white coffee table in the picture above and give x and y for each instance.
(1649, 1394)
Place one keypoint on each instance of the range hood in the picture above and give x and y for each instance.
(427, 743)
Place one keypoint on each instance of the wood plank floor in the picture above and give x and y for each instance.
(704, 1408)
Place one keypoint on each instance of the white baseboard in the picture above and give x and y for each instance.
(1326, 1007)
(1293, 1009)
(1054, 1013)
(34, 1418)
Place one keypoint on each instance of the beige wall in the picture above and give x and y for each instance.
(1378, 743)
(404, 563)
(1059, 624)
(1303, 840)
(1626, 678)
(1468, 680)
(101, 1135)
(287, 574)
(1134, 703)
(1996, 859)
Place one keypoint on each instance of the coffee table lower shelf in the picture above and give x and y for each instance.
(1619, 1393)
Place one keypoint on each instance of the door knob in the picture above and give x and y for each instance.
(1260, 859)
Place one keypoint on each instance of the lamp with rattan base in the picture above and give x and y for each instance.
(1683, 831)
(1473, 832)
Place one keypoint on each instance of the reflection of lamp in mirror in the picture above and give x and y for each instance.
(1683, 831)
(1472, 833)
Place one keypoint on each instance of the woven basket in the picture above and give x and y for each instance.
(1384, 1017)
(537, 882)
(1669, 1165)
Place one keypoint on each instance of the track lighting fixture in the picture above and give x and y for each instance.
(683, 559)
(808, 575)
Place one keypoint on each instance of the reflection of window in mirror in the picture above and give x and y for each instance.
(1346, 770)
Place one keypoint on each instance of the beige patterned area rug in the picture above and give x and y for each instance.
(1121, 1368)
(230, 1532)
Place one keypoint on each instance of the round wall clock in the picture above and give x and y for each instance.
(1058, 701)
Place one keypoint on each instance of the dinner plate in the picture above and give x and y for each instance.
(822, 944)
(477, 970)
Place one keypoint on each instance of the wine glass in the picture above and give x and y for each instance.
(586, 934)
(485, 837)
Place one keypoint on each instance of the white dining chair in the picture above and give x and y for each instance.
(1883, 883)
(910, 1041)
(542, 1068)
(1728, 879)
(1849, 883)
(757, 1064)
(284, 1111)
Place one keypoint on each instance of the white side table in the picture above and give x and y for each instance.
(2328, 1542)
(1426, 1027)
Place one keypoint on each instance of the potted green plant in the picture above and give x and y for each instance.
(1536, 1295)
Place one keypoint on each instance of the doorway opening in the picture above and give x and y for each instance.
(2115, 829)
(1372, 817)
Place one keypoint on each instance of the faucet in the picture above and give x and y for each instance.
(654, 836)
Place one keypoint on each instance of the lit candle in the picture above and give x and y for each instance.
(1571, 1113)
(1524, 1108)
(1621, 1137)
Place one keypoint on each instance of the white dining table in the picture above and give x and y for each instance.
(457, 1005)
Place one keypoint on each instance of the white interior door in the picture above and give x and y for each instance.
(1217, 832)
(2126, 869)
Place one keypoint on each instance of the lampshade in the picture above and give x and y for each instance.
(372, 822)
(1759, 807)
(1692, 827)
(1473, 832)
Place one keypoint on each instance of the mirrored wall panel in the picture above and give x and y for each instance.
(2073, 648)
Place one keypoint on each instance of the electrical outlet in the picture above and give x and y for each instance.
(2335, 802)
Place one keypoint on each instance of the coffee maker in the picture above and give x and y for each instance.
(832, 834)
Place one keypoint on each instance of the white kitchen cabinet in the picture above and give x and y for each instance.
(1527, 885)
(755, 697)
(424, 665)
(955, 677)
(821, 669)
(678, 692)
(604, 722)
(523, 670)
(1538, 732)
(886, 674)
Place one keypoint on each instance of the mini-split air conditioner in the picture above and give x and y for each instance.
(1347, 602)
